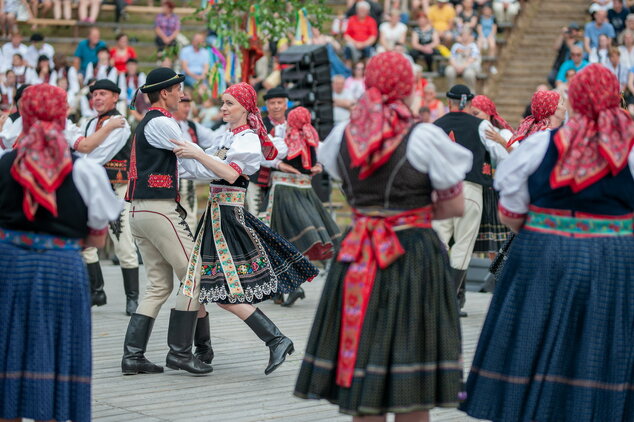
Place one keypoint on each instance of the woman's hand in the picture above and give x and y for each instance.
(186, 149)
(496, 137)
(287, 168)
(317, 168)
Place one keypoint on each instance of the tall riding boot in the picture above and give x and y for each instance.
(131, 287)
(202, 340)
(96, 284)
(180, 336)
(279, 345)
(298, 293)
(136, 338)
(460, 278)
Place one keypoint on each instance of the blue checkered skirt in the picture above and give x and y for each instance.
(558, 341)
(45, 355)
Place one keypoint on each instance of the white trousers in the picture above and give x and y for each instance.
(190, 204)
(464, 230)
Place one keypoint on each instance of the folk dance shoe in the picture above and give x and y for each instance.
(131, 287)
(278, 298)
(134, 346)
(202, 340)
(298, 293)
(279, 345)
(180, 336)
(97, 293)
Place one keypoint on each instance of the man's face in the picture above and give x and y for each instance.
(576, 55)
(104, 100)
(183, 110)
(173, 98)
(277, 108)
(16, 39)
(362, 12)
(17, 60)
(197, 41)
(600, 16)
(337, 85)
(94, 36)
(131, 68)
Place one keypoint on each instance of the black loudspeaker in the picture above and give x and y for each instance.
(305, 54)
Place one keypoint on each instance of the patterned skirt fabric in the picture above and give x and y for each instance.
(493, 233)
(557, 344)
(265, 262)
(300, 217)
(409, 354)
(45, 354)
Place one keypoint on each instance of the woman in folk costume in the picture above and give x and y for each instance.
(492, 234)
(237, 260)
(386, 335)
(557, 341)
(53, 203)
(294, 210)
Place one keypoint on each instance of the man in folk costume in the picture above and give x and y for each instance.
(158, 224)
(468, 131)
(202, 137)
(276, 100)
(113, 152)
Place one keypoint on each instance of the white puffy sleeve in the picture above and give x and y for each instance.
(511, 177)
(73, 133)
(245, 152)
(160, 130)
(94, 188)
(497, 151)
(7, 134)
(282, 152)
(431, 151)
(328, 151)
(112, 144)
(205, 136)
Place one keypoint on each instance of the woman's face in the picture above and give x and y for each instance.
(422, 21)
(479, 113)
(358, 70)
(604, 42)
(232, 112)
(429, 95)
(560, 113)
(123, 42)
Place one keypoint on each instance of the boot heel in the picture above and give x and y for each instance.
(291, 351)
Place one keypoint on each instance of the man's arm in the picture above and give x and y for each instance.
(89, 143)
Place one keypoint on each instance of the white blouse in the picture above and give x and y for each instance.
(511, 177)
(11, 131)
(429, 150)
(113, 143)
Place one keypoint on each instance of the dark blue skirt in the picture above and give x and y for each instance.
(45, 360)
(558, 341)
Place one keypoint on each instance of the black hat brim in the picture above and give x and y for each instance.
(176, 79)
(107, 86)
(455, 96)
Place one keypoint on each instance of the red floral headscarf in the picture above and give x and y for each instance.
(381, 118)
(43, 157)
(300, 136)
(598, 138)
(247, 97)
(485, 104)
(543, 105)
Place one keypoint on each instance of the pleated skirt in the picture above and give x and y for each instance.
(492, 233)
(557, 344)
(45, 344)
(409, 355)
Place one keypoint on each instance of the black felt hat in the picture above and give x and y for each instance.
(161, 78)
(106, 84)
(277, 92)
(457, 91)
(37, 37)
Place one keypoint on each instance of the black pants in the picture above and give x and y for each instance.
(428, 58)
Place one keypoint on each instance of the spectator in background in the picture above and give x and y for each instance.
(467, 18)
(617, 16)
(424, 115)
(627, 49)
(464, 61)
(95, 6)
(615, 66)
(8, 14)
(14, 46)
(576, 62)
(392, 32)
(506, 10)
(376, 11)
(487, 30)
(43, 72)
(360, 35)
(397, 5)
(35, 7)
(337, 66)
(629, 25)
(442, 16)
(355, 84)
(23, 73)
(167, 26)
(342, 99)
(121, 53)
(86, 51)
(66, 5)
(592, 30)
(603, 5)
(61, 70)
(194, 60)
(437, 108)
(102, 69)
(130, 80)
(424, 41)
(599, 54)
(39, 48)
(8, 88)
(569, 37)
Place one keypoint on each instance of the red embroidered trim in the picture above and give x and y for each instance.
(239, 129)
(160, 181)
(162, 110)
(486, 169)
(76, 144)
(449, 193)
(236, 167)
(95, 232)
(509, 213)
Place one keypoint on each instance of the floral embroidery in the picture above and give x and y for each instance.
(38, 240)
(160, 181)
(486, 169)
(243, 269)
(578, 224)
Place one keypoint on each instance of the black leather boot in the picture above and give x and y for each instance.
(136, 338)
(279, 345)
(131, 287)
(180, 336)
(202, 340)
(460, 278)
(298, 293)
(96, 284)
(278, 298)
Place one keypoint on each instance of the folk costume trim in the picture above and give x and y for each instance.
(38, 240)
(575, 224)
(240, 129)
(598, 139)
(508, 213)
(160, 181)
(301, 136)
(451, 192)
(370, 245)
(162, 110)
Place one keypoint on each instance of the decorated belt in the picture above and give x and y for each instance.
(371, 244)
(279, 178)
(577, 224)
(39, 240)
(218, 195)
